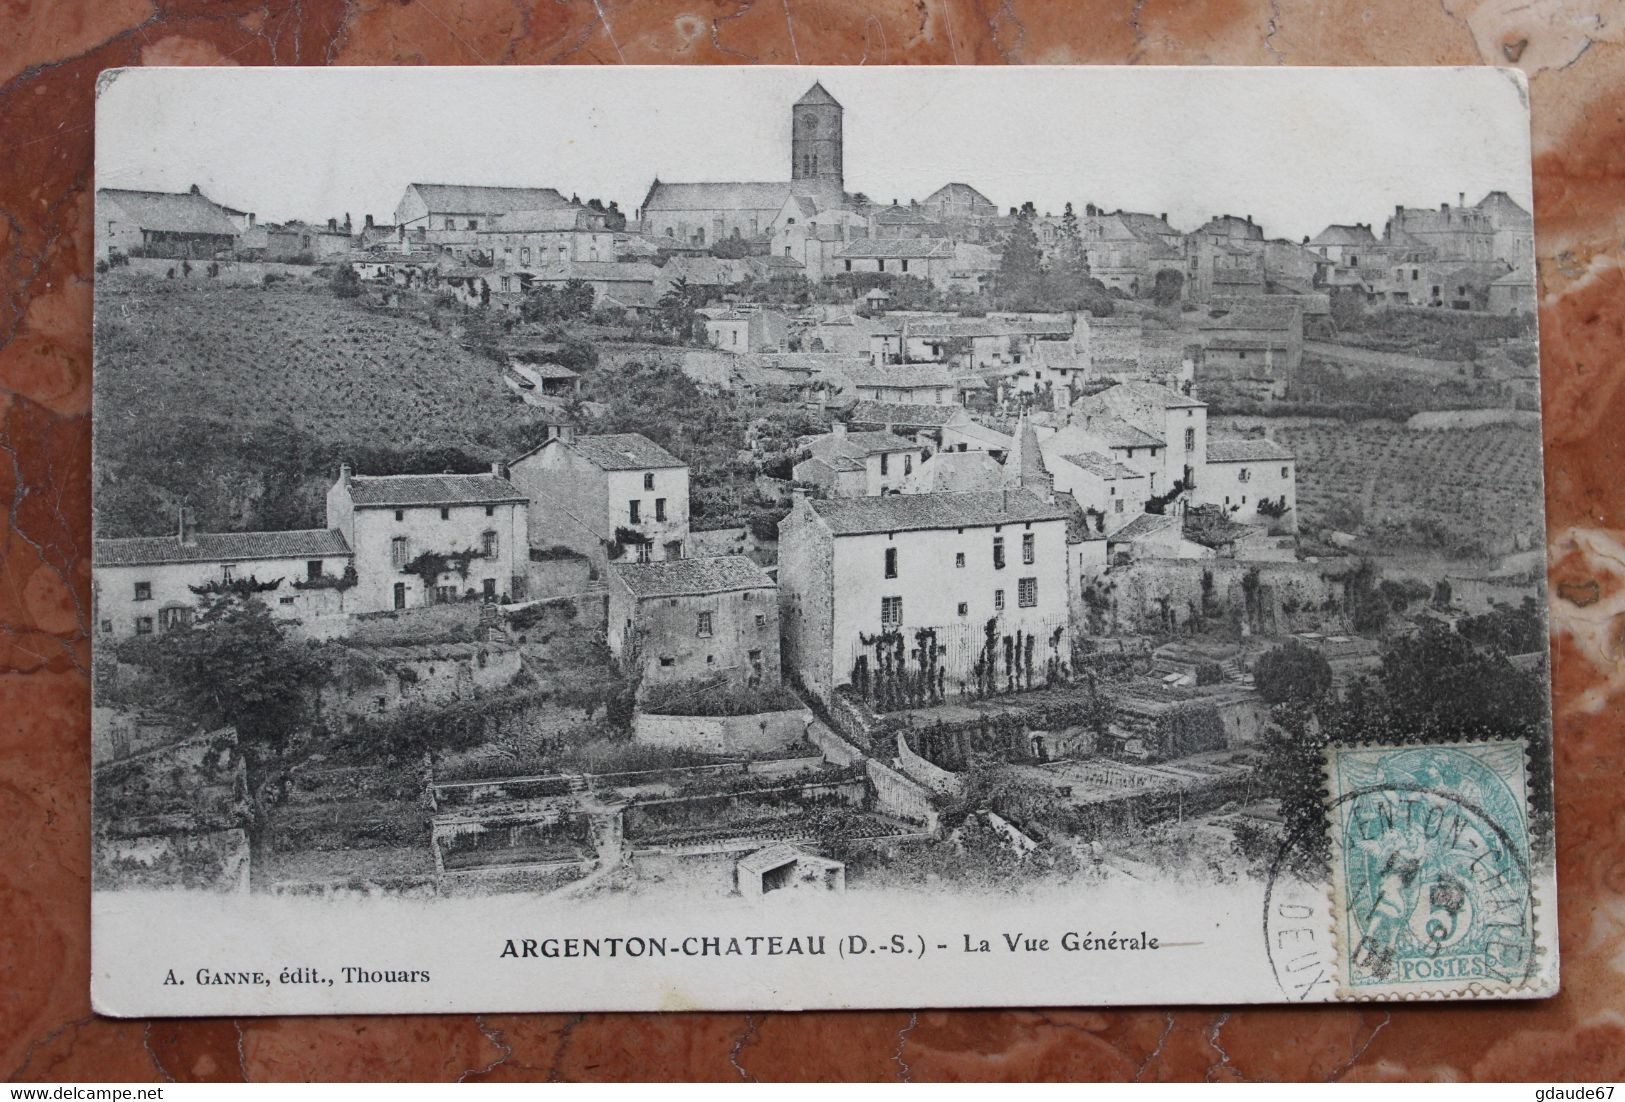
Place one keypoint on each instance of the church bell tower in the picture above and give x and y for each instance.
(815, 138)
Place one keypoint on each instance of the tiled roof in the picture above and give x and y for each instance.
(1252, 317)
(897, 413)
(956, 472)
(395, 490)
(896, 215)
(543, 221)
(855, 445)
(1344, 235)
(170, 212)
(914, 512)
(624, 451)
(1156, 394)
(614, 271)
(1097, 464)
(896, 248)
(691, 577)
(303, 543)
(957, 193)
(924, 375)
(731, 195)
(1244, 451)
(478, 199)
(1143, 525)
(984, 327)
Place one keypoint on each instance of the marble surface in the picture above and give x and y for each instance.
(1574, 53)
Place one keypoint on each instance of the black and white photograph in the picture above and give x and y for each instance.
(778, 537)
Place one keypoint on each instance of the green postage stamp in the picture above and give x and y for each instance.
(1431, 878)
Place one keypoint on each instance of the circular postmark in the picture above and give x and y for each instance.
(1418, 882)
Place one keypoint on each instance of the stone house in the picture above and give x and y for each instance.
(606, 497)
(146, 585)
(1241, 475)
(957, 564)
(1176, 422)
(450, 217)
(1458, 233)
(1512, 229)
(162, 223)
(1111, 493)
(927, 258)
(1514, 293)
(921, 385)
(1258, 344)
(379, 679)
(748, 331)
(710, 619)
(473, 527)
(857, 464)
(548, 238)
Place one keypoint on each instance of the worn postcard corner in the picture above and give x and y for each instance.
(792, 537)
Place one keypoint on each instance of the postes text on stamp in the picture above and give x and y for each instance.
(1431, 870)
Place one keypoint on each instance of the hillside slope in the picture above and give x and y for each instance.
(244, 400)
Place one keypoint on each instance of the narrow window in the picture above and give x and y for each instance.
(397, 551)
(959, 559)
(400, 514)
(884, 463)
(891, 562)
(998, 600)
(313, 568)
(1190, 440)
(445, 513)
(488, 543)
(891, 612)
(648, 480)
(1286, 472)
(228, 571)
(490, 510)
(998, 552)
(660, 508)
(1027, 547)
(704, 627)
(1119, 504)
(634, 510)
(908, 464)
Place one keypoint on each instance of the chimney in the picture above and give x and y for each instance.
(194, 190)
(1163, 216)
(369, 221)
(1461, 198)
(499, 468)
(251, 218)
(332, 223)
(1444, 208)
(345, 471)
(186, 531)
(347, 223)
(1249, 219)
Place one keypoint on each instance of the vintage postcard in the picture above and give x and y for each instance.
(765, 538)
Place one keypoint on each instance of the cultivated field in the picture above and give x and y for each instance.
(296, 354)
(1461, 492)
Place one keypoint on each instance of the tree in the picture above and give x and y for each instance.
(677, 308)
(1293, 673)
(345, 282)
(236, 665)
(1170, 285)
(1020, 261)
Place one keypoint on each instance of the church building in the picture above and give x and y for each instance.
(701, 214)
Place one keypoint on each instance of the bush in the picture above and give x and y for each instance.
(706, 698)
(1292, 672)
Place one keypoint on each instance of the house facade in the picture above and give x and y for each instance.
(450, 216)
(179, 225)
(858, 464)
(1175, 421)
(1242, 476)
(149, 585)
(474, 527)
(545, 238)
(968, 567)
(606, 497)
(698, 619)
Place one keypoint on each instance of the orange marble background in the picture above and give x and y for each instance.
(50, 53)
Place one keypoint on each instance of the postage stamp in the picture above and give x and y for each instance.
(1430, 849)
